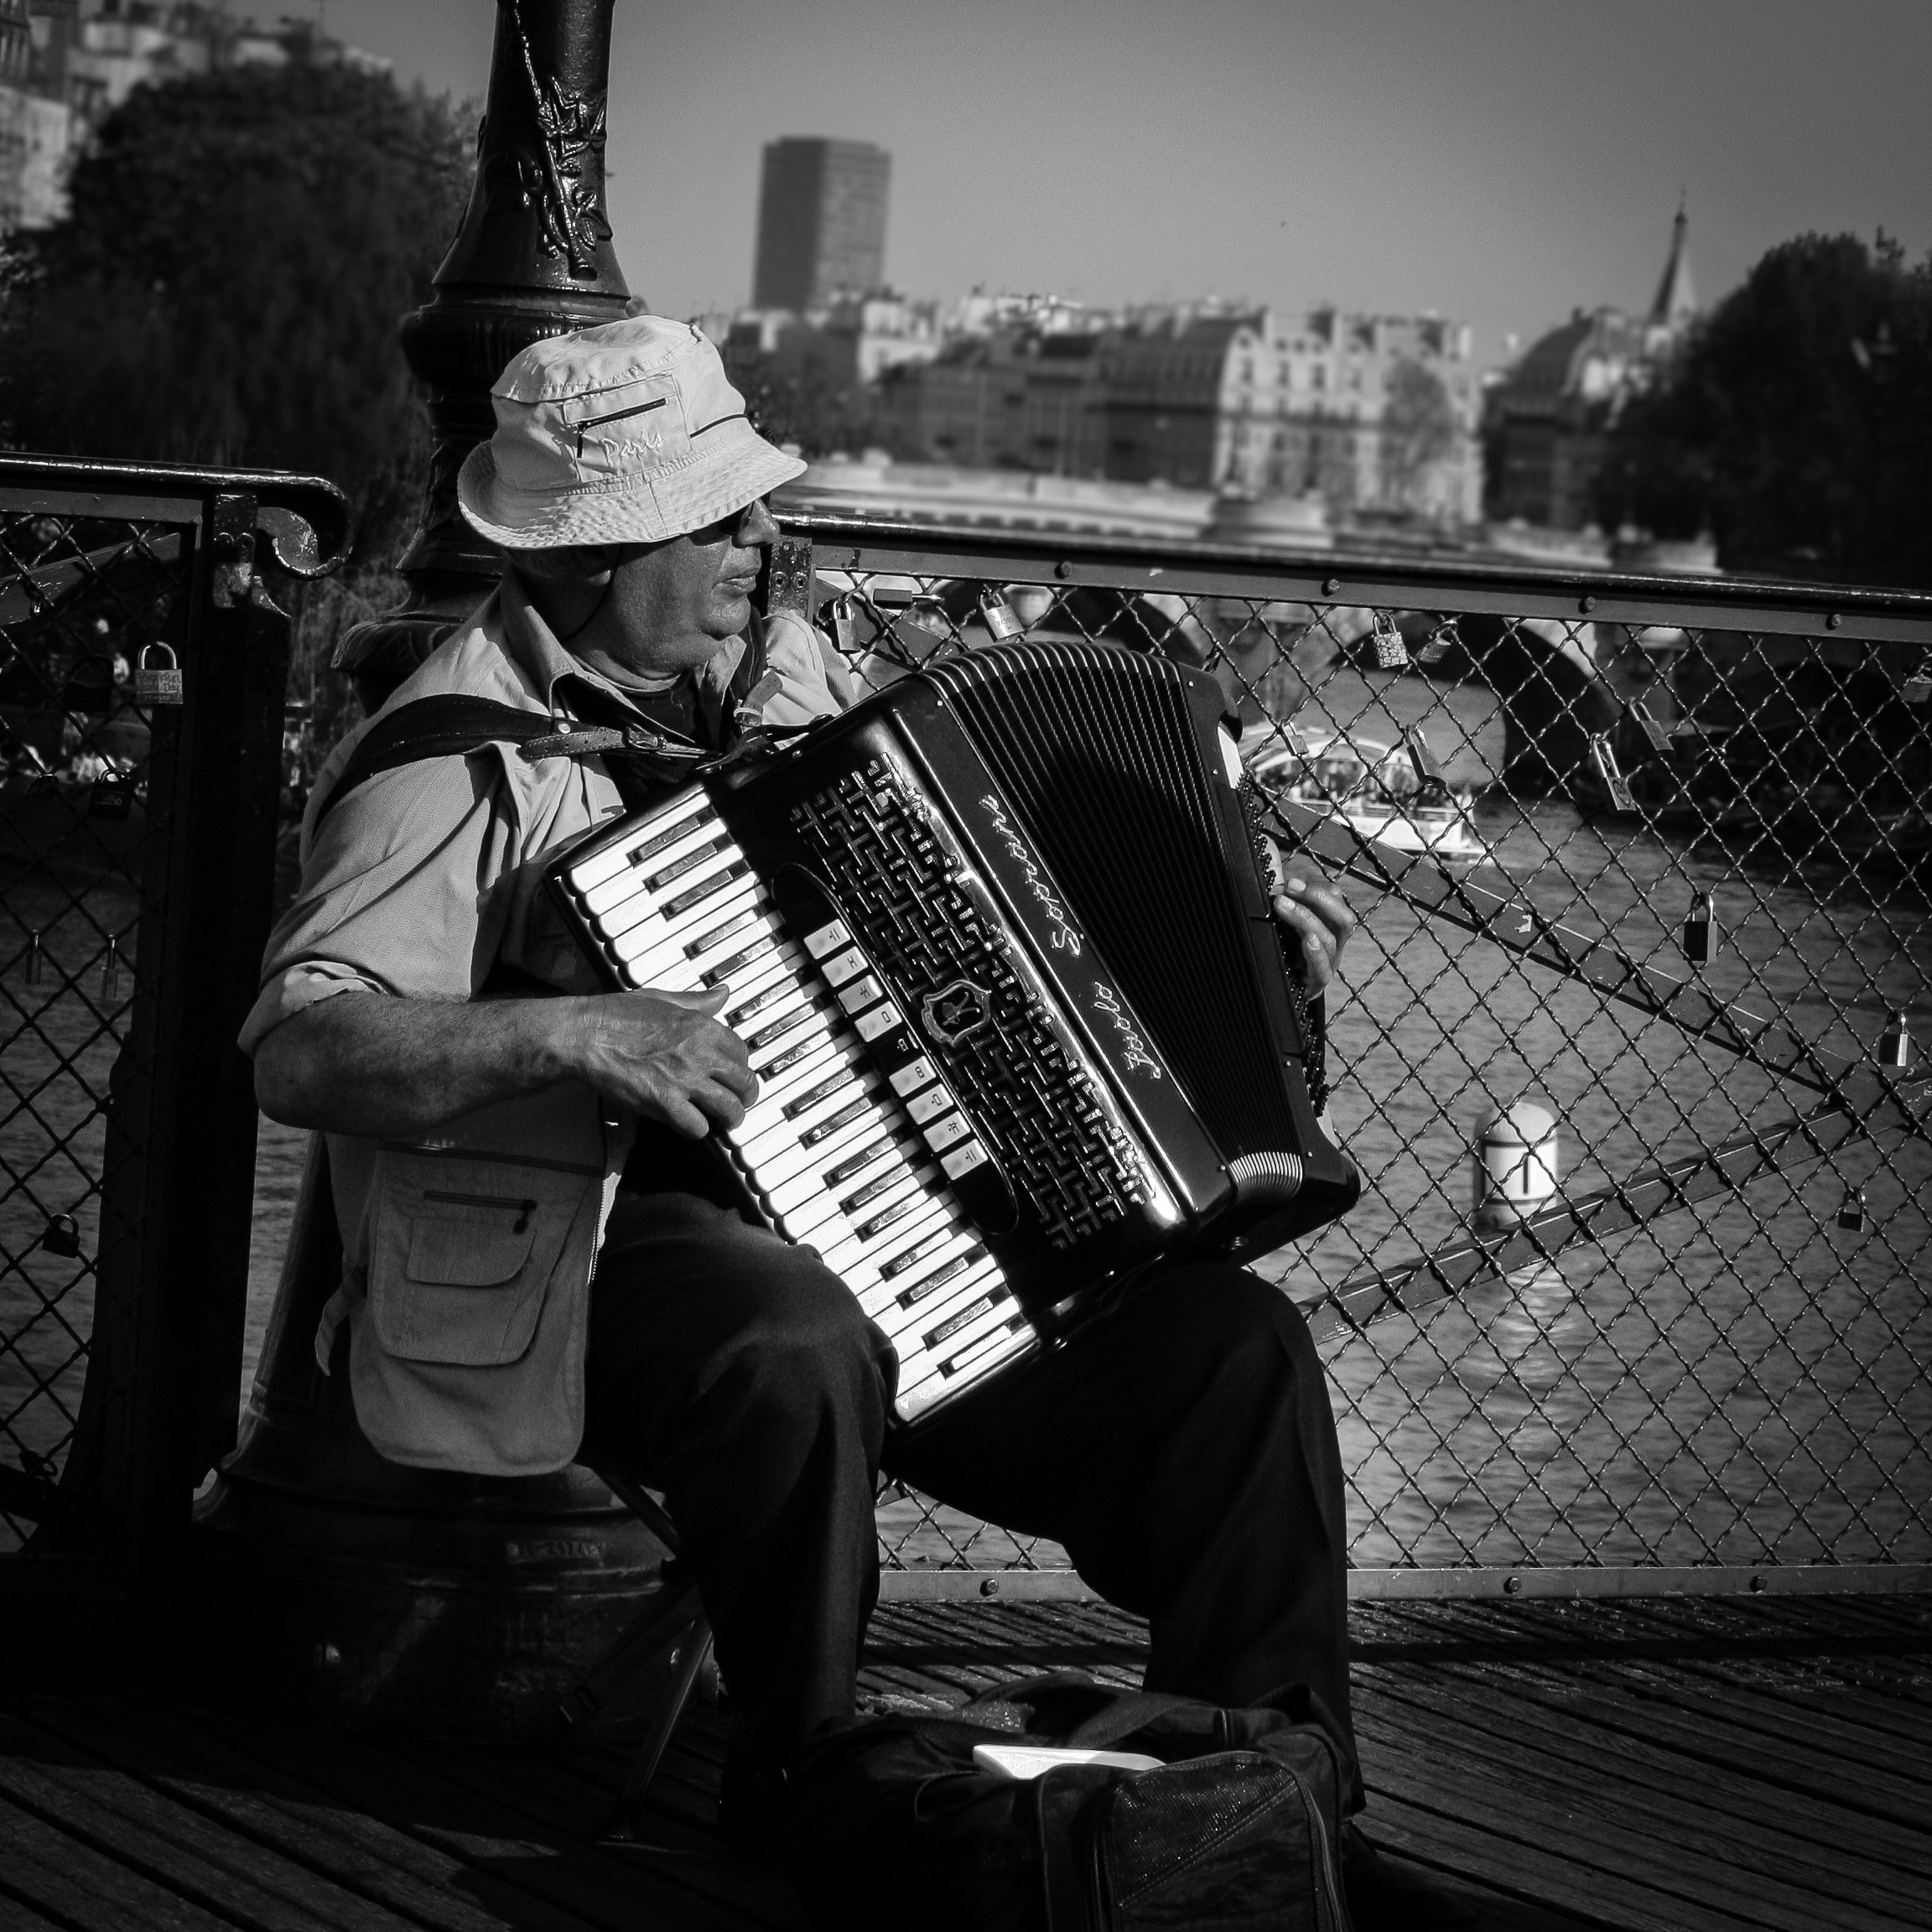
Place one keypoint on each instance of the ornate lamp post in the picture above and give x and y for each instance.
(340, 1585)
(532, 258)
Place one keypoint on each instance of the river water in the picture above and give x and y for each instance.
(1744, 1381)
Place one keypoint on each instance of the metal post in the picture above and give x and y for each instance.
(532, 258)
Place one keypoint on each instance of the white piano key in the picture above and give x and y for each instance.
(937, 1225)
(786, 1163)
(946, 1325)
(951, 1277)
(640, 877)
(797, 1188)
(643, 943)
(858, 1087)
(906, 1321)
(926, 1378)
(827, 1059)
(618, 858)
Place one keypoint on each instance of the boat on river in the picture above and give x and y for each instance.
(1387, 793)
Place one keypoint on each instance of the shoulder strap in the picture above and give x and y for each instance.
(447, 726)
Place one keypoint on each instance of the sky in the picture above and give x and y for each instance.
(1503, 161)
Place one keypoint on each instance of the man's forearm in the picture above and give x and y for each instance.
(380, 1068)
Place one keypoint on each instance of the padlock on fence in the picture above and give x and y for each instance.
(845, 624)
(111, 972)
(36, 958)
(1603, 754)
(1440, 640)
(157, 683)
(1000, 619)
(62, 1236)
(1918, 686)
(1701, 929)
(1851, 1214)
(1391, 653)
(110, 795)
(1895, 1043)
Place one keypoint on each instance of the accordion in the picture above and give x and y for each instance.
(999, 940)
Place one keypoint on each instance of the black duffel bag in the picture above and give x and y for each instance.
(890, 1823)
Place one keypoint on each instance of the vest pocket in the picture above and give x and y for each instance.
(463, 1252)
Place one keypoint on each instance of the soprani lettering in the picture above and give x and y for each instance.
(1066, 939)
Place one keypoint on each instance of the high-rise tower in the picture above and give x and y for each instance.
(821, 221)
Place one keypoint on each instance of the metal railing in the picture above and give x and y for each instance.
(142, 670)
(1650, 856)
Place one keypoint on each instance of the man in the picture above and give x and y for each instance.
(499, 1129)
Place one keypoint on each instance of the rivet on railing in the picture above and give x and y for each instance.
(36, 959)
(1833, 621)
(1757, 1584)
(111, 971)
(1512, 1585)
(1002, 620)
(1701, 929)
(1895, 1043)
(1063, 569)
(1586, 605)
(1330, 585)
(990, 1587)
(1851, 1212)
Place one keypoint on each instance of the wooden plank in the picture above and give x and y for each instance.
(1667, 1804)
(54, 1874)
(1472, 1698)
(18, 1917)
(1524, 1869)
(1602, 1843)
(1634, 1719)
(580, 1886)
(151, 1832)
(248, 1797)
(568, 1808)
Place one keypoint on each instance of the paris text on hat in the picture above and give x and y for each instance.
(627, 432)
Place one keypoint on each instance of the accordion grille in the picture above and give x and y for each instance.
(1111, 793)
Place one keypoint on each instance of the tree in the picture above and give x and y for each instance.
(1417, 428)
(226, 286)
(1797, 424)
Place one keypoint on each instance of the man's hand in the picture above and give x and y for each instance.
(665, 1055)
(1319, 916)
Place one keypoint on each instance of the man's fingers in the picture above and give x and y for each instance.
(1325, 901)
(707, 1000)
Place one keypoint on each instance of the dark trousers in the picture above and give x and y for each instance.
(1182, 1449)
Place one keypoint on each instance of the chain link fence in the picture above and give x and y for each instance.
(140, 731)
(1638, 1281)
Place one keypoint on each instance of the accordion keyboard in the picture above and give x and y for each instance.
(846, 1147)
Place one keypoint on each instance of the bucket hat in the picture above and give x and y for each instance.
(627, 432)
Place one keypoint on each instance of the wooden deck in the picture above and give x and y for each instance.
(1688, 1766)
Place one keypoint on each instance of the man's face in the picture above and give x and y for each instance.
(672, 604)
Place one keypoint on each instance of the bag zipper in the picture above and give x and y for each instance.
(525, 1209)
(1318, 1829)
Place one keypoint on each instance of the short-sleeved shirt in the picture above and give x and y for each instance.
(421, 878)
(416, 883)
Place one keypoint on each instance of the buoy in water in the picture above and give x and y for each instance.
(1518, 1167)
